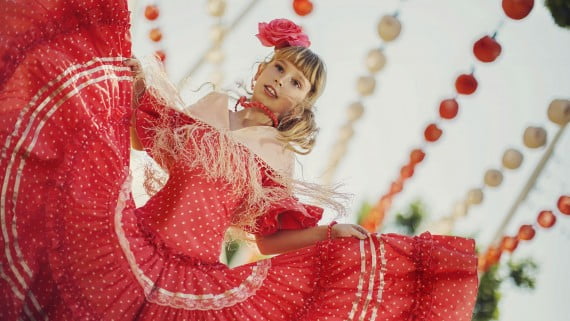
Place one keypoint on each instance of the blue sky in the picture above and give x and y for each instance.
(433, 49)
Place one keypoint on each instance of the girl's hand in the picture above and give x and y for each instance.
(347, 230)
(138, 74)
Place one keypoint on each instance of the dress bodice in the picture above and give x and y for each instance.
(193, 210)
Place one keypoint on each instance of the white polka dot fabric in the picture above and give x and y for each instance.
(76, 248)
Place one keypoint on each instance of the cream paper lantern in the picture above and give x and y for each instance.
(475, 196)
(365, 85)
(355, 111)
(459, 210)
(534, 137)
(346, 132)
(493, 178)
(215, 55)
(389, 28)
(443, 226)
(339, 149)
(559, 111)
(217, 33)
(512, 159)
(216, 8)
(375, 60)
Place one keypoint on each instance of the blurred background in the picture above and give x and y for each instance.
(440, 115)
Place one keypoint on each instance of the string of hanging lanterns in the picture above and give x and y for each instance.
(389, 29)
(152, 13)
(218, 35)
(486, 50)
(215, 55)
(526, 232)
(533, 137)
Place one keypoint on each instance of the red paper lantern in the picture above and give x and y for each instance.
(432, 133)
(546, 219)
(493, 256)
(407, 171)
(155, 34)
(482, 263)
(486, 49)
(160, 54)
(526, 232)
(564, 204)
(302, 7)
(517, 9)
(448, 108)
(416, 156)
(396, 187)
(509, 243)
(385, 202)
(369, 225)
(466, 84)
(151, 12)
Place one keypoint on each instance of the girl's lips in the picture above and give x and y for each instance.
(270, 91)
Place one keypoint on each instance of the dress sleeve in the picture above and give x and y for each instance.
(288, 214)
(153, 116)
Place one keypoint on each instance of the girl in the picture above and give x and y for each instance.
(77, 248)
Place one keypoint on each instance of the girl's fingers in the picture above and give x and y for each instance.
(359, 234)
(361, 229)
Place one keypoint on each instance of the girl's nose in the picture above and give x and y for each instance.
(279, 82)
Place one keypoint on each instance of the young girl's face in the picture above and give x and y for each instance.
(280, 86)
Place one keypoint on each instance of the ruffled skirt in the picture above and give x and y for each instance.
(75, 247)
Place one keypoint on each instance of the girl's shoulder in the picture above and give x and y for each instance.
(212, 99)
(211, 109)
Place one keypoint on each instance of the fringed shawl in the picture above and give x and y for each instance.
(251, 159)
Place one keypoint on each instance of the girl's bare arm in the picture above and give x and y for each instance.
(135, 141)
(138, 90)
(289, 240)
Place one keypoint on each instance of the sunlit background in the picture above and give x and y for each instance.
(434, 47)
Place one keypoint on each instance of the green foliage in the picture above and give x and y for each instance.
(363, 211)
(411, 220)
(231, 248)
(560, 10)
(487, 304)
(523, 273)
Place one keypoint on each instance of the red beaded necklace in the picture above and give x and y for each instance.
(256, 104)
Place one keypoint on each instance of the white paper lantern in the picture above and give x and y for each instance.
(217, 33)
(215, 55)
(512, 159)
(338, 152)
(493, 178)
(443, 226)
(475, 196)
(365, 85)
(389, 28)
(216, 8)
(355, 111)
(559, 111)
(534, 137)
(345, 134)
(459, 210)
(375, 60)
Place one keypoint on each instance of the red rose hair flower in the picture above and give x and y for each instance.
(280, 33)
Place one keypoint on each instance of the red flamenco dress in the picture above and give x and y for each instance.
(77, 248)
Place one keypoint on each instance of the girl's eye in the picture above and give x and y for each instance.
(296, 83)
(279, 68)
